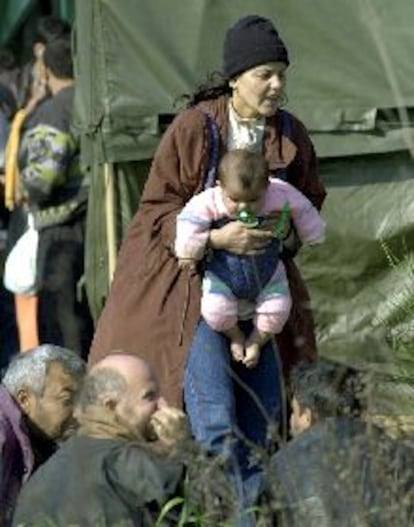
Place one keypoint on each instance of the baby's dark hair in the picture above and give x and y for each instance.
(327, 388)
(248, 166)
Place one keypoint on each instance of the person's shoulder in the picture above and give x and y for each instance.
(279, 186)
(55, 111)
(188, 118)
(293, 122)
(200, 114)
(287, 115)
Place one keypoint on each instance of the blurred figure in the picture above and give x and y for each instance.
(36, 403)
(9, 72)
(48, 28)
(30, 89)
(56, 191)
(8, 332)
(338, 470)
(7, 110)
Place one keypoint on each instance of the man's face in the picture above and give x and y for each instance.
(52, 411)
(300, 418)
(140, 402)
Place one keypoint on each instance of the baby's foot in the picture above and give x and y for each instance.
(237, 350)
(251, 354)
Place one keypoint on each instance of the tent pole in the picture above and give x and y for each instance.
(110, 218)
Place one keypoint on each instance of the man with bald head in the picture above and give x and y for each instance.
(120, 467)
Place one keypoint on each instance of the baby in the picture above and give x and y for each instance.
(239, 287)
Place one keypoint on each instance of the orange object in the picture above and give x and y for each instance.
(26, 319)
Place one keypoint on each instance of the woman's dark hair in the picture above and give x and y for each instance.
(327, 388)
(214, 86)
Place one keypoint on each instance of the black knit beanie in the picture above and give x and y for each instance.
(251, 41)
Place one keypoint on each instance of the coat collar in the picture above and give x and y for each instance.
(279, 149)
(14, 416)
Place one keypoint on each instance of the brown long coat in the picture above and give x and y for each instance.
(153, 307)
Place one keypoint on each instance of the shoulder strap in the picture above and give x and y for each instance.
(286, 129)
(286, 120)
(214, 148)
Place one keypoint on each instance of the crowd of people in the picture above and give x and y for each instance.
(206, 340)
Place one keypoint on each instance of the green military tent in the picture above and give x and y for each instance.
(350, 81)
(18, 20)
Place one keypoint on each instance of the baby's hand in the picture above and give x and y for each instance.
(187, 263)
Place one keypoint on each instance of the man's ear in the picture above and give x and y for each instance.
(26, 400)
(307, 416)
(110, 403)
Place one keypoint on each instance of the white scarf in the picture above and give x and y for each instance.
(244, 133)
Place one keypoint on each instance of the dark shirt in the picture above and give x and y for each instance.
(344, 473)
(98, 481)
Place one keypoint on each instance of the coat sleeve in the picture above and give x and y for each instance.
(307, 221)
(176, 174)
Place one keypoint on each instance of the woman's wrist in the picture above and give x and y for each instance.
(214, 239)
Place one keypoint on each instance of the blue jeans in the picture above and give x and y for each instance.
(228, 403)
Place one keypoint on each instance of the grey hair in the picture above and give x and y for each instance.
(29, 369)
(100, 383)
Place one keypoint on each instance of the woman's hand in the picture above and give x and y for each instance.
(239, 239)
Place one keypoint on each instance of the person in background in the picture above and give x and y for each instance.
(30, 88)
(48, 28)
(9, 72)
(338, 469)
(36, 403)
(8, 330)
(56, 191)
(122, 464)
(153, 302)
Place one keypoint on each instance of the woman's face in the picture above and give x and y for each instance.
(257, 91)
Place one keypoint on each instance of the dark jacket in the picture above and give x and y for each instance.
(151, 300)
(344, 473)
(16, 457)
(101, 482)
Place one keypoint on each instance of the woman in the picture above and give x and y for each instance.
(153, 308)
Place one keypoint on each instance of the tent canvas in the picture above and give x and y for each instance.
(350, 81)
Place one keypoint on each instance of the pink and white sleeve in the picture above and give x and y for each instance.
(308, 223)
(193, 227)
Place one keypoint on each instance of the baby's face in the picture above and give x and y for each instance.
(236, 198)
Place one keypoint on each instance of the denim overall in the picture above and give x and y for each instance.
(226, 402)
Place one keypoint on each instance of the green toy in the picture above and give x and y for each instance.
(248, 217)
(251, 220)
